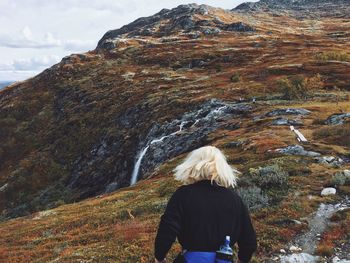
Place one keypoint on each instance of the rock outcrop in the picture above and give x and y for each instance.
(192, 20)
(300, 8)
(337, 119)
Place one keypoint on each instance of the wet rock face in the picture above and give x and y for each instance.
(94, 170)
(178, 20)
(110, 160)
(109, 164)
(197, 124)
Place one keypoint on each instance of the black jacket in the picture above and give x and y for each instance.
(200, 215)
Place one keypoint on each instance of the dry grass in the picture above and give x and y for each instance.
(338, 135)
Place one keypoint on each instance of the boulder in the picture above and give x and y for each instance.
(337, 119)
(234, 144)
(288, 111)
(330, 160)
(295, 249)
(285, 121)
(328, 191)
(210, 31)
(297, 150)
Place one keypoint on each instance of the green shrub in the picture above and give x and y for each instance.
(299, 87)
(333, 55)
(167, 188)
(341, 178)
(269, 176)
(235, 78)
(253, 197)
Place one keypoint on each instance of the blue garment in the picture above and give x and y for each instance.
(199, 257)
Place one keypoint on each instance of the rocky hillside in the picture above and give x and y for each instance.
(157, 88)
(299, 8)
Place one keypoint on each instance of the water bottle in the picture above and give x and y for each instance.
(225, 253)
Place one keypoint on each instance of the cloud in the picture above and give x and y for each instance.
(35, 63)
(14, 75)
(24, 68)
(26, 40)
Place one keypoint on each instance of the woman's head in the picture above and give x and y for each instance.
(206, 163)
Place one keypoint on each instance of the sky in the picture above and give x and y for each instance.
(36, 34)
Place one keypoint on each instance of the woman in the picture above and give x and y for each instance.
(204, 210)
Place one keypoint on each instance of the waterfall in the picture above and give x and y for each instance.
(137, 166)
(214, 113)
(143, 152)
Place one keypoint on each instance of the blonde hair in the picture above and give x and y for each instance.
(206, 163)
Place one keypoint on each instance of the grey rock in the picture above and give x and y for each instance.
(194, 35)
(167, 22)
(234, 144)
(210, 31)
(337, 119)
(185, 22)
(197, 63)
(179, 17)
(328, 191)
(239, 27)
(285, 121)
(3, 188)
(298, 8)
(108, 44)
(288, 111)
(330, 160)
(297, 150)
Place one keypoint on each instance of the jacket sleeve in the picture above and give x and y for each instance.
(247, 238)
(169, 226)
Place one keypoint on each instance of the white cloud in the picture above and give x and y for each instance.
(27, 40)
(35, 63)
(14, 75)
(23, 68)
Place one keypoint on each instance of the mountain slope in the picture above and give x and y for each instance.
(164, 85)
(76, 129)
